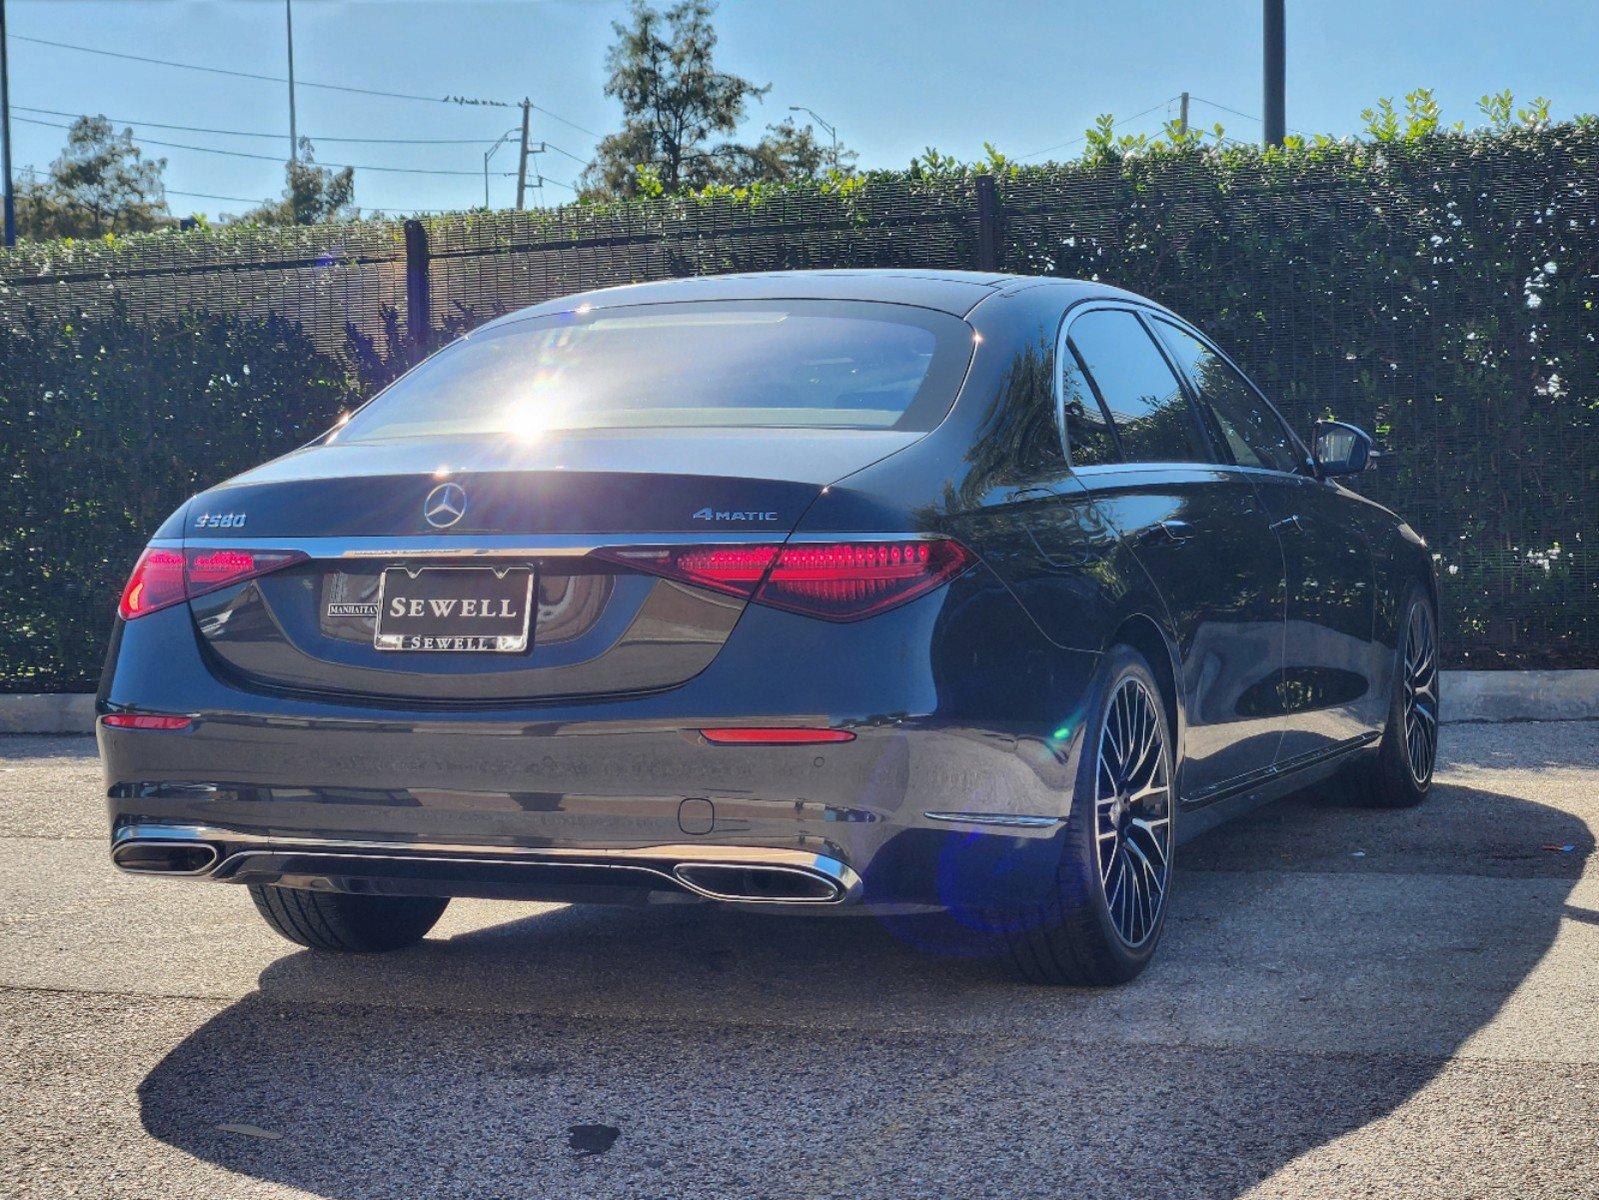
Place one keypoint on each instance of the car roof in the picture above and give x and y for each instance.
(954, 292)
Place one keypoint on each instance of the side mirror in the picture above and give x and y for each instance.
(1340, 449)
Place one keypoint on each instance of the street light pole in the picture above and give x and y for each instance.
(5, 134)
(488, 154)
(832, 132)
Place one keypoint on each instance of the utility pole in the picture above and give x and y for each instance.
(1273, 73)
(5, 134)
(294, 141)
(521, 162)
(1182, 119)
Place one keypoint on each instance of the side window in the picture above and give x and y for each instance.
(1254, 434)
(1089, 440)
(1140, 392)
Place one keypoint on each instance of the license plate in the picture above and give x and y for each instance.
(455, 609)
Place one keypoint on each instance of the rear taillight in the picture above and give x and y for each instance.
(736, 570)
(845, 581)
(838, 581)
(163, 577)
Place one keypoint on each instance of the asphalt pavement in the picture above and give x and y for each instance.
(1347, 1003)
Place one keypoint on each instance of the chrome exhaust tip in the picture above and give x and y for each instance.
(147, 856)
(750, 883)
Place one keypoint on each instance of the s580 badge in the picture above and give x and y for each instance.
(219, 521)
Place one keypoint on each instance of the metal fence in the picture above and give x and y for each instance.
(1444, 294)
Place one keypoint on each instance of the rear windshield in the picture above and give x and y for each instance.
(780, 364)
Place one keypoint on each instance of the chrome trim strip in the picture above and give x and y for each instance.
(661, 860)
(1014, 821)
(510, 545)
(234, 860)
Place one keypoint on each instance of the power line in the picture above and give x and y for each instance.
(211, 196)
(466, 101)
(1237, 113)
(1084, 137)
(55, 112)
(268, 157)
(1224, 108)
(573, 124)
(331, 87)
(568, 153)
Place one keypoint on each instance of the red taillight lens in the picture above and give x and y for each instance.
(736, 570)
(781, 735)
(145, 721)
(838, 581)
(162, 578)
(845, 581)
(156, 582)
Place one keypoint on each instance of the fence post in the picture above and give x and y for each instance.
(418, 300)
(987, 224)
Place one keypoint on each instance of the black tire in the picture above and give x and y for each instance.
(1389, 777)
(1075, 937)
(348, 924)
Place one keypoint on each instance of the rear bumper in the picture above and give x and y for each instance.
(743, 874)
(952, 793)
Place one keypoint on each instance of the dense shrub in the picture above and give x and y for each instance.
(106, 425)
(1440, 288)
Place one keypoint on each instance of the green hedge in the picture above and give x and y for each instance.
(1442, 291)
(107, 424)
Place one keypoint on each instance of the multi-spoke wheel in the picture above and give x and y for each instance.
(1420, 694)
(1132, 807)
(1399, 772)
(1103, 920)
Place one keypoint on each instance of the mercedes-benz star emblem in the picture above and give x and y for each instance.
(445, 505)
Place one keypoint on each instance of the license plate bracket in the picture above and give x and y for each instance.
(461, 610)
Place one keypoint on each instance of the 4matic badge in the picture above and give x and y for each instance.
(722, 514)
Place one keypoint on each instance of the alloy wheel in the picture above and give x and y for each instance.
(1420, 694)
(1133, 811)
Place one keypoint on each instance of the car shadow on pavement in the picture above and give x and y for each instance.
(1320, 968)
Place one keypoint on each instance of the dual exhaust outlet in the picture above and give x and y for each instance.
(744, 875)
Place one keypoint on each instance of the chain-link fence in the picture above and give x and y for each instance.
(1443, 293)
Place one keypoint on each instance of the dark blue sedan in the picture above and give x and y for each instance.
(920, 590)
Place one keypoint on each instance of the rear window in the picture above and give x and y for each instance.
(785, 364)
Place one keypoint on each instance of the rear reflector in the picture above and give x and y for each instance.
(145, 721)
(778, 736)
(838, 581)
(162, 577)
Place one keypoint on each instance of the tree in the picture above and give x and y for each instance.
(313, 196)
(790, 153)
(101, 183)
(675, 103)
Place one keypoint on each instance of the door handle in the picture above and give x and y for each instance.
(1170, 531)
(1291, 521)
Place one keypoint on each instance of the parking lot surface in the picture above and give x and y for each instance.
(1347, 1003)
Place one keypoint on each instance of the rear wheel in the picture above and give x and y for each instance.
(1399, 774)
(347, 923)
(1104, 917)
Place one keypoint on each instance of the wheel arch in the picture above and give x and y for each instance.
(1144, 634)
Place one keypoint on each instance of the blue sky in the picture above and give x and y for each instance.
(894, 77)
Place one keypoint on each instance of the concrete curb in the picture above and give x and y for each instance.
(1467, 696)
(56, 712)
(1520, 695)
